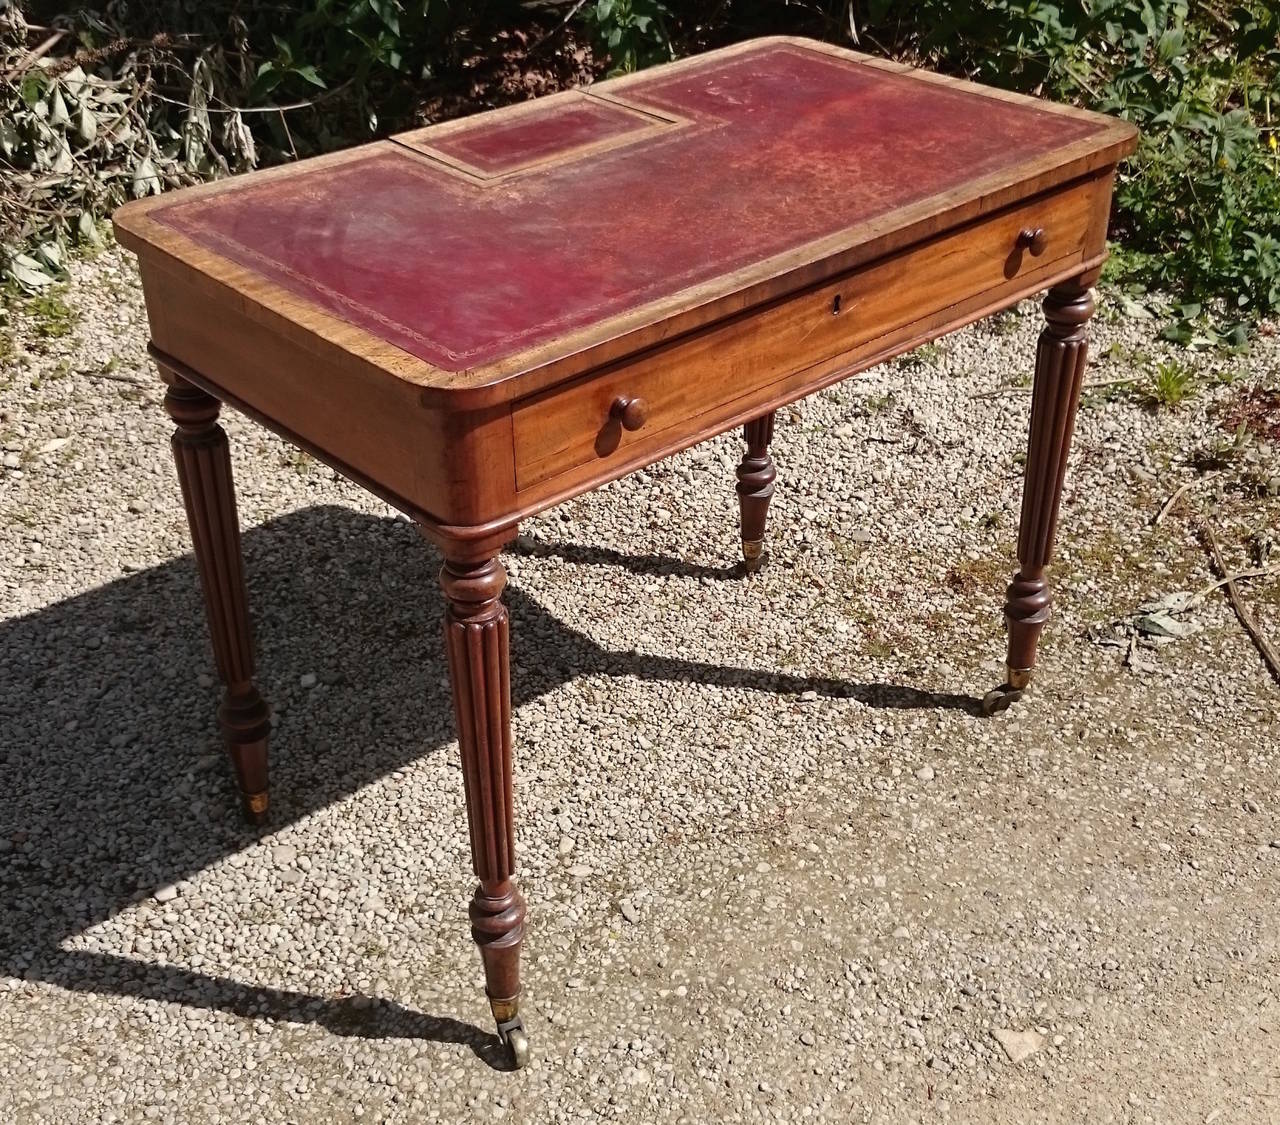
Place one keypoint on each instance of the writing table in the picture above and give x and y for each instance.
(480, 319)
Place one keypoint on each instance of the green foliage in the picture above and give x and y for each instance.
(1171, 383)
(1199, 205)
(632, 33)
(356, 43)
(52, 316)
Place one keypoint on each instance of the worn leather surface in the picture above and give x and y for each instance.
(549, 129)
(464, 246)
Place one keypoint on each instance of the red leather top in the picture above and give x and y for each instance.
(469, 242)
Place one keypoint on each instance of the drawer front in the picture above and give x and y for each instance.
(614, 413)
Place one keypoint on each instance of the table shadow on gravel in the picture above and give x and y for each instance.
(116, 784)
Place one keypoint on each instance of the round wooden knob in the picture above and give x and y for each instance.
(632, 413)
(1033, 239)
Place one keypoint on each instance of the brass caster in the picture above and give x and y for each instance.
(752, 555)
(513, 1037)
(1000, 699)
(1017, 680)
(518, 1043)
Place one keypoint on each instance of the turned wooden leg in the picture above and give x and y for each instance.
(1060, 364)
(204, 470)
(476, 638)
(756, 475)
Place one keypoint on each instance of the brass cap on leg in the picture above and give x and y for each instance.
(256, 806)
(753, 554)
(505, 1010)
(1018, 678)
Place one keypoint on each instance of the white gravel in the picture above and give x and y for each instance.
(778, 869)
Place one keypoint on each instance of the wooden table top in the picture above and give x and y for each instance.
(518, 247)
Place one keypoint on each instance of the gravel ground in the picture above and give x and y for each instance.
(778, 868)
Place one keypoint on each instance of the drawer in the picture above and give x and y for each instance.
(613, 414)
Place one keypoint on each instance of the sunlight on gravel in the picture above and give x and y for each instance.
(777, 866)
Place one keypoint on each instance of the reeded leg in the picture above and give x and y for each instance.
(756, 475)
(476, 638)
(204, 470)
(1060, 364)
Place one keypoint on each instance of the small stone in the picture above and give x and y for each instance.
(629, 911)
(645, 744)
(808, 1038)
(12, 461)
(1018, 1045)
(1250, 805)
(137, 507)
(763, 867)
(53, 445)
(924, 773)
(283, 854)
(566, 844)
(307, 679)
(859, 535)
(204, 680)
(580, 871)
(879, 881)
(902, 933)
(167, 893)
(808, 696)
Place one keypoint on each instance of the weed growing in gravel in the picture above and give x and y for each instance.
(1247, 461)
(926, 355)
(1100, 396)
(298, 461)
(874, 404)
(51, 315)
(1003, 323)
(971, 575)
(1171, 384)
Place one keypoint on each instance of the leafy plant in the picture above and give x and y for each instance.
(75, 143)
(1171, 383)
(632, 33)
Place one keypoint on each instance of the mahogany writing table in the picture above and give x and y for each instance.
(480, 319)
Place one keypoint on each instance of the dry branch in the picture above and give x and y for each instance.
(1246, 617)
